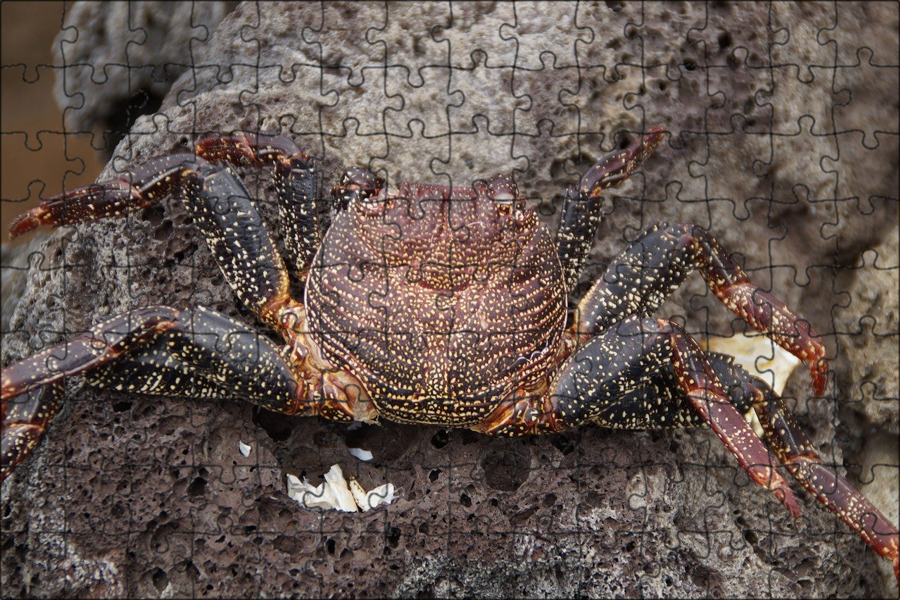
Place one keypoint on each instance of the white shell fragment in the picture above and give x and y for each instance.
(309, 496)
(244, 448)
(361, 454)
(337, 493)
(343, 498)
(358, 493)
(760, 356)
(383, 494)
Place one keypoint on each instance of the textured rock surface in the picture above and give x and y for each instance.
(122, 58)
(144, 496)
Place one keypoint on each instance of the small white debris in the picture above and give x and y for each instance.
(337, 493)
(383, 494)
(760, 356)
(358, 493)
(309, 496)
(361, 454)
(244, 448)
(335, 478)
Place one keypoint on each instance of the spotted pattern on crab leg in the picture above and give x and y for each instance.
(207, 355)
(633, 353)
(25, 421)
(238, 239)
(581, 211)
(303, 208)
(222, 209)
(661, 258)
(133, 191)
(696, 377)
(823, 481)
(626, 358)
(162, 351)
(100, 345)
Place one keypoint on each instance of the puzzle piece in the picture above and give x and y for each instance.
(779, 141)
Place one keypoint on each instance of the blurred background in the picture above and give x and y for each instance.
(40, 158)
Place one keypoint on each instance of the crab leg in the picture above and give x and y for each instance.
(143, 187)
(154, 350)
(623, 359)
(25, 421)
(661, 258)
(580, 214)
(800, 458)
(680, 386)
(303, 210)
(221, 208)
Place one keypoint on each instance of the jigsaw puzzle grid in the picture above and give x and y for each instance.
(782, 141)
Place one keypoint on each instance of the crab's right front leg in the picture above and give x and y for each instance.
(221, 209)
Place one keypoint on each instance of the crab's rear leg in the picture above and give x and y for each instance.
(661, 258)
(650, 374)
(162, 351)
(799, 457)
(591, 386)
(581, 211)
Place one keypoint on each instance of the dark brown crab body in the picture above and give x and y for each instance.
(447, 298)
(432, 304)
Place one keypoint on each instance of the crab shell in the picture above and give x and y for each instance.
(441, 300)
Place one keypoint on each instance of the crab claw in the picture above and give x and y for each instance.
(616, 167)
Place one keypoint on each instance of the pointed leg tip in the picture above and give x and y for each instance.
(784, 495)
(24, 223)
(819, 380)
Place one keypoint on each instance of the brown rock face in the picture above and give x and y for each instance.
(784, 144)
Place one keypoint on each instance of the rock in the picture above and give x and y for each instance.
(121, 59)
(144, 496)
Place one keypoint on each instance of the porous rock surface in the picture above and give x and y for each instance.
(139, 496)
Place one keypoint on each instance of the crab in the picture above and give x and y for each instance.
(433, 304)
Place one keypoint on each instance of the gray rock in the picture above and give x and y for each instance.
(121, 58)
(144, 496)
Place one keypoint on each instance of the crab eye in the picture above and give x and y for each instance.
(361, 188)
(359, 177)
(361, 183)
(502, 189)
